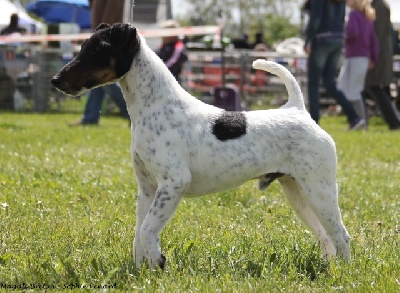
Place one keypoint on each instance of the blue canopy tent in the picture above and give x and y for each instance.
(62, 11)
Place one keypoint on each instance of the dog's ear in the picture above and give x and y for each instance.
(102, 26)
(121, 35)
(125, 44)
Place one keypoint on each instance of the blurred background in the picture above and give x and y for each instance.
(248, 29)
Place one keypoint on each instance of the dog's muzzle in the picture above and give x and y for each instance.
(63, 86)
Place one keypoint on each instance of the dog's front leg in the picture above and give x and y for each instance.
(145, 199)
(168, 196)
(146, 192)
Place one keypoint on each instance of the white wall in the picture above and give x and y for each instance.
(395, 12)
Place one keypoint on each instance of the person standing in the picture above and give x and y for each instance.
(107, 11)
(172, 50)
(13, 26)
(361, 53)
(377, 83)
(323, 44)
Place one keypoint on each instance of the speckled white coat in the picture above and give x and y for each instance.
(175, 154)
(183, 147)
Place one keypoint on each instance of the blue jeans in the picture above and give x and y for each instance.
(323, 62)
(94, 103)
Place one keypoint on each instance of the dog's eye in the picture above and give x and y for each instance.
(101, 46)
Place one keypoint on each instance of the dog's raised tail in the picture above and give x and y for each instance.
(295, 96)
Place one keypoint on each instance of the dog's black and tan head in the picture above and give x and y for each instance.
(104, 58)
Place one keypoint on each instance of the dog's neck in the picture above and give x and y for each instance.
(148, 82)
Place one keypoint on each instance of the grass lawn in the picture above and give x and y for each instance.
(67, 217)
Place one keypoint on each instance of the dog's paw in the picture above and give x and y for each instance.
(161, 262)
(139, 256)
(157, 263)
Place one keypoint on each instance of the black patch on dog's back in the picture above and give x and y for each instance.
(230, 125)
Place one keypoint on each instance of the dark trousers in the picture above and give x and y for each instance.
(381, 96)
(94, 103)
(323, 62)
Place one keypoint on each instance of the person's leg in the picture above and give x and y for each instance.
(384, 103)
(329, 80)
(351, 83)
(343, 81)
(116, 95)
(359, 107)
(92, 111)
(315, 61)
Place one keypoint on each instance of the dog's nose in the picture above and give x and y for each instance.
(56, 81)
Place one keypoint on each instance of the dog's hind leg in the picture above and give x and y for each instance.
(322, 199)
(306, 214)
